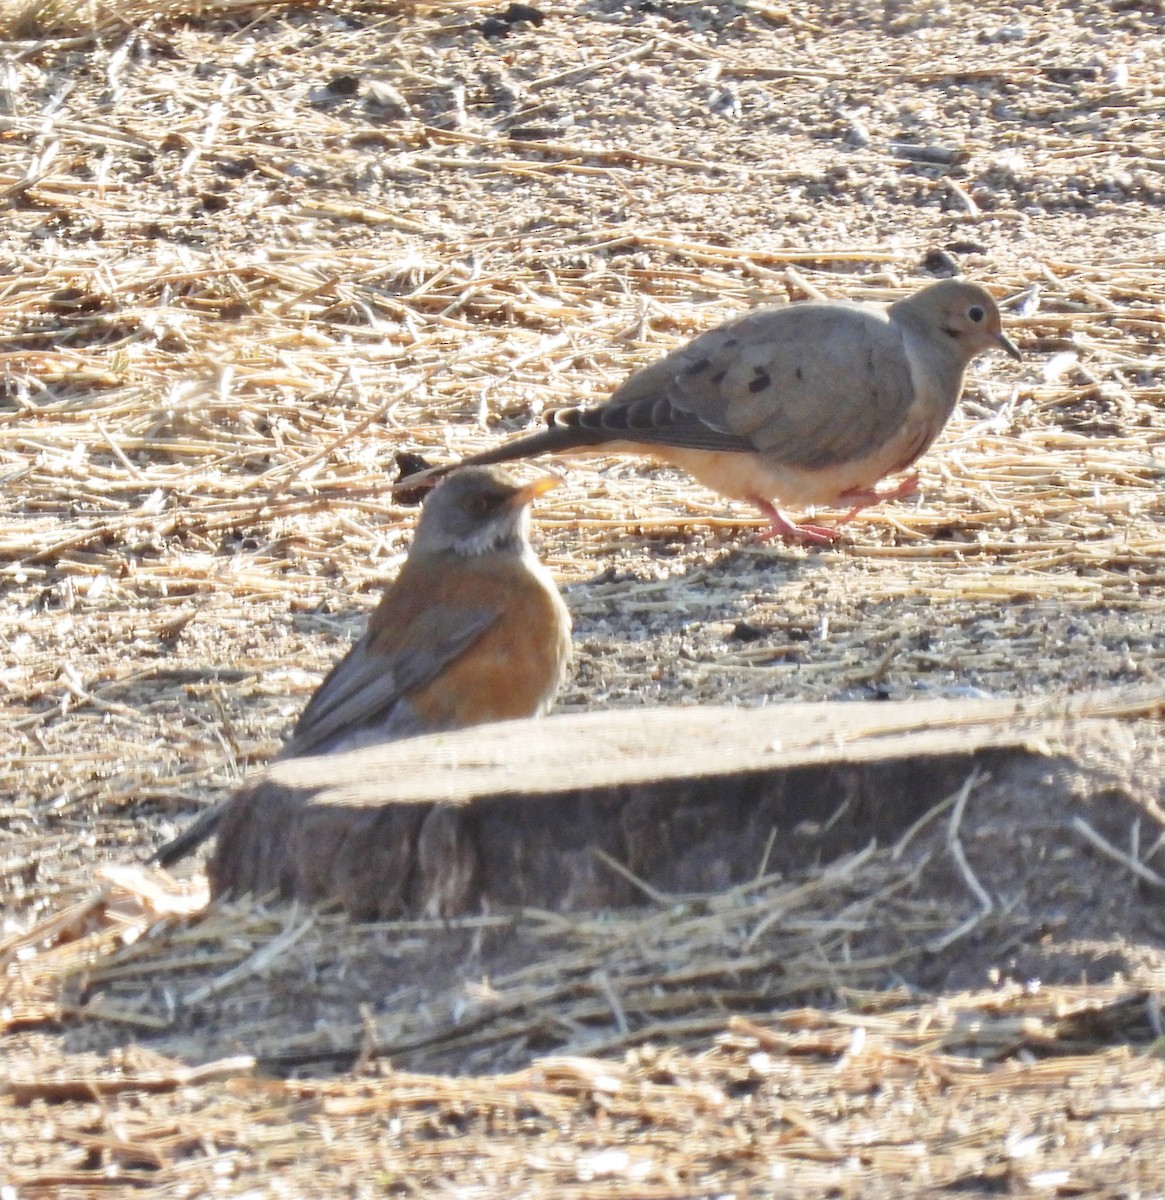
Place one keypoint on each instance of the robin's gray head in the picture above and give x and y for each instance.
(476, 510)
(960, 311)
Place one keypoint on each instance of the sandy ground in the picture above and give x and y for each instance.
(249, 259)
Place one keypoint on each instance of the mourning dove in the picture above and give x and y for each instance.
(807, 404)
(473, 629)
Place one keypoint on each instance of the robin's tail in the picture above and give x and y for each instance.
(190, 838)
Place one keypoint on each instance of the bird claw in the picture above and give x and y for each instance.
(865, 497)
(783, 528)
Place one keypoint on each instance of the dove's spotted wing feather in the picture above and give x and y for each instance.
(807, 385)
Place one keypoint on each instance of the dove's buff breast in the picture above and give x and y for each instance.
(748, 476)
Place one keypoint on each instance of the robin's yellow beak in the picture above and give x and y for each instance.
(531, 492)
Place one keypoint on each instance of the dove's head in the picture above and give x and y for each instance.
(477, 510)
(961, 311)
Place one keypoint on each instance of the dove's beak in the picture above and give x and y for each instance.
(1005, 343)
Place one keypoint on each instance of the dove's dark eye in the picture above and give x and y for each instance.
(976, 313)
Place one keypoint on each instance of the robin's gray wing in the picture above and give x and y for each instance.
(361, 689)
(365, 686)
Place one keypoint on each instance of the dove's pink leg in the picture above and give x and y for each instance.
(782, 527)
(863, 499)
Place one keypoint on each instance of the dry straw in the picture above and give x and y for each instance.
(230, 295)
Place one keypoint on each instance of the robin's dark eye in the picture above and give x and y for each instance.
(479, 506)
(976, 313)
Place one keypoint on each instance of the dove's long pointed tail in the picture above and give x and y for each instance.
(564, 431)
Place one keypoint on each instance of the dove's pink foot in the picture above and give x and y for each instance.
(780, 526)
(865, 498)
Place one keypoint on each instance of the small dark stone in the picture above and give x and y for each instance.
(72, 300)
(939, 262)
(408, 464)
(612, 575)
(944, 156)
(535, 133)
(965, 247)
(492, 28)
(236, 168)
(523, 12)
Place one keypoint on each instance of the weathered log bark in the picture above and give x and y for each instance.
(546, 812)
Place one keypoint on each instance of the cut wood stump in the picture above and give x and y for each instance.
(603, 809)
